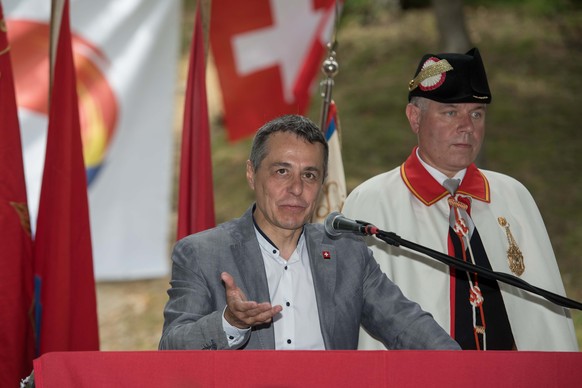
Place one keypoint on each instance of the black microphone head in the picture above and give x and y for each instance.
(328, 225)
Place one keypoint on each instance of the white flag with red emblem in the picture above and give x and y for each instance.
(125, 55)
(267, 55)
(333, 194)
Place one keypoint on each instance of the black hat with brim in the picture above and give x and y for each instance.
(451, 78)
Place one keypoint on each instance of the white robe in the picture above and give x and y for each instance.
(387, 202)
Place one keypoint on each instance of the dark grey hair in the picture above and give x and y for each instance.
(301, 126)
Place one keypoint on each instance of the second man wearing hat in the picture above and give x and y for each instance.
(439, 198)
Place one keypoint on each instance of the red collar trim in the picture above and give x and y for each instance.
(424, 187)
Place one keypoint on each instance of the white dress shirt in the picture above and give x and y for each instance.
(291, 286)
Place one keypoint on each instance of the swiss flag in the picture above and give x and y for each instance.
(267, 54)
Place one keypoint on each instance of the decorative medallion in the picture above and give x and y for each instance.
(514, 255)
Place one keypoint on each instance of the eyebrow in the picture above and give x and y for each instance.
(480, 106)
(288, 165)
(280, 164)
(313, 169)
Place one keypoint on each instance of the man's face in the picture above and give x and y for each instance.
(449, 135)
(286, 183)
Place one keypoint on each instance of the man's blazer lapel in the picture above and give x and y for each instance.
(323, 259)
(249, 260)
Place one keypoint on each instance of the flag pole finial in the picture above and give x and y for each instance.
(329, 68)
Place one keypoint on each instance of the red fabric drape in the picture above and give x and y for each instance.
(63, 253)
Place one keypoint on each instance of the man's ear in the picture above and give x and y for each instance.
(250, 175)
(413, 115)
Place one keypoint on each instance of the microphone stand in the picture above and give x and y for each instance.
(395, 240)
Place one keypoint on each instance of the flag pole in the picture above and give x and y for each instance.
(205, 9)
(330, 68)
(333, 192)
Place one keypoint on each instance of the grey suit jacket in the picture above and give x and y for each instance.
(350, 290)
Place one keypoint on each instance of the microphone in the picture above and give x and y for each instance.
(335, 224)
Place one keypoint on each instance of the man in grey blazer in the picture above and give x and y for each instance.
(272, 280)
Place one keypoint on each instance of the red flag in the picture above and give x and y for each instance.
(65, 286)
(267, 53)
(196, 195)
(16, 331)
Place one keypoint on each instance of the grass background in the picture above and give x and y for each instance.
(533, 59)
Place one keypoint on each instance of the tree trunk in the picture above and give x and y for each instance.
(450, 20)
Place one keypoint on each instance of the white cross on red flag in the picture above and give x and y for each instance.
(267, 55)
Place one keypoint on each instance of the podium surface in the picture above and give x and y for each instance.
(308, 369)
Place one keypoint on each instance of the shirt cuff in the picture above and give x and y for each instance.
(235, 336)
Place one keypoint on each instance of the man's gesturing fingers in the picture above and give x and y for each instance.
(242, 313)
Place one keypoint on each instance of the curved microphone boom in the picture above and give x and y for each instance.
(335, 224)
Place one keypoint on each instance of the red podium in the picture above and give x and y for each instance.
(360, 369)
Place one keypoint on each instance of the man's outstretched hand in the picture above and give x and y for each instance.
(242, 313)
